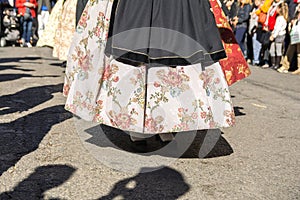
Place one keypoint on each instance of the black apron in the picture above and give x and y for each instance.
(164, 32)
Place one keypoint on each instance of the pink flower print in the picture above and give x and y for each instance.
(116, 79)
(98, 118)
(84, 63)
(156, 84)
(180, 109)
(150, 125)
(217, 81)
(107, 73)
(97, 31)
(184, 126)
(83, 19)
(99, 102)
(212, 124)
(203, 115)
(66, 89)
(123, 120)
(78, 94)
(206, 80)
(90, 107)
(201, 103)
(101, 14)
(194, 115)
(72, 108)
(172, 78)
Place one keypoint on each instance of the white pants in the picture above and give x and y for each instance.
(42, 20)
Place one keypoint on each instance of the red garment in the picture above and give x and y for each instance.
(271, 18)
(22, 9)
(235, 67)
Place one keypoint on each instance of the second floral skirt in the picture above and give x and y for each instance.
(138, 98)
(65, 30)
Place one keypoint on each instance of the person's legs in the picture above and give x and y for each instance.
(24, 30)
(256, 49)
(42, 21)
(240, 37)
(298, 60)
(40, 25)
(278, 51)
(28, 30)
(287, 59)
(273, 53)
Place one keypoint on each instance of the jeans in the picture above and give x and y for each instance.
(256, 49)
(240, 37)
(27, 29)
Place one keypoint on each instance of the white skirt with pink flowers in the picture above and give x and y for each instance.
(139, 98)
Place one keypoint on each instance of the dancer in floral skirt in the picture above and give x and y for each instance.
(47, 39)
(148, 91)
(65, 30)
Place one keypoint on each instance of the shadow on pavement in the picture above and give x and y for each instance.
(27, 98)
(41, 180)
(10, 77)
(165, 183)
(14, 67)
(204, 145)
(17, 59)
(22, 136)
(237, 111)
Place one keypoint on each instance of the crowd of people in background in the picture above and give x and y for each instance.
(262, 28)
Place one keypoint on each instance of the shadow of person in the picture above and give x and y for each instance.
(27, 98)
(41, 180)
(208, 144)
(17, 59)
(194, 144)
(237, 111)
(165, 183)
(11, 77)
(14, 67)
(23, 135)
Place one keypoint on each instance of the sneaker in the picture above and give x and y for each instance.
(282, 70)
(28, 45)
(265, 66)
(22, 42)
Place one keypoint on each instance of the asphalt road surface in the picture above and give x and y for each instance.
(42, 155)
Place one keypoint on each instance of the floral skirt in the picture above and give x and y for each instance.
(140, 99)
(65, 30)
(47, 39)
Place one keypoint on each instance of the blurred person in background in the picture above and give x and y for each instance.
(44, 10)
(268, 27)
(47, 38)
(278, 35)
(26, 8)
(240, 22)
(252, 31)
(65, 30)
(293, 50)
(229, 8)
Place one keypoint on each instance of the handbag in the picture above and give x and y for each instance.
(265, 38)
(262, 17)
(295, 34)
